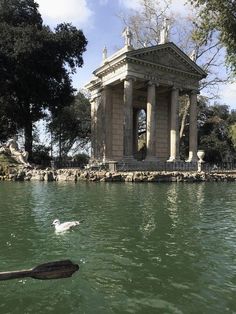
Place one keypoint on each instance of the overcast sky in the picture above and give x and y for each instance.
(101, 26)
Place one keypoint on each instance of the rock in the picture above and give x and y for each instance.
(38, 175)
(20, 176)
(129, 177)
(116, 177)
(138, 177)
(11, 176)
(18, 173)
(49, 176)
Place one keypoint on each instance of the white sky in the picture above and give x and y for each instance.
(98, 20)
(73, 11)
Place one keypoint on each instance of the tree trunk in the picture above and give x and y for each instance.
(60, 144)
(29, 138)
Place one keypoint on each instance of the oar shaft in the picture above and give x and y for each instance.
(15, 274)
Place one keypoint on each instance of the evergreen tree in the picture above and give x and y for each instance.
(36, 64)
(219, 15)
(71, 126)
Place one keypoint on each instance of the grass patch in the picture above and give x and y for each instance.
(7, 161)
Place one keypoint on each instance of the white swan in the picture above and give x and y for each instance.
(65, 226)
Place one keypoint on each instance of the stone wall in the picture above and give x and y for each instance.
(163, 128)
(74, 175)
(117, 125)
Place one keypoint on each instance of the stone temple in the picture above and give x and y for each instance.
(150, 80)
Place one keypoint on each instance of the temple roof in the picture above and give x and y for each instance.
(167, 56)
(165, 63)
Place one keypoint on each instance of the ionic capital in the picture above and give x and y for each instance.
(151, 82)
(105, 87)
(174, 88)
(194, 92)
(130, 78)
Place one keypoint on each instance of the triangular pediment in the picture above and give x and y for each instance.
(168, 56)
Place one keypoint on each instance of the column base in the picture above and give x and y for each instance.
(174, 159)
(151, 159)
(128, 159)
(107, 159)
(192, 159)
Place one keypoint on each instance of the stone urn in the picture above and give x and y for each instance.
(201, 155)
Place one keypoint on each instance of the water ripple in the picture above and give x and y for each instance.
(149, 248)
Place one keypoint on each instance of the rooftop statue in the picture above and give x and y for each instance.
(164, 33)
(127, 34)
(104, 54)
(193, 55)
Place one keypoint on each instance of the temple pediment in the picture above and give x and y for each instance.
(167, 56)
(165, 63)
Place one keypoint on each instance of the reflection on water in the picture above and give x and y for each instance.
(143, 248)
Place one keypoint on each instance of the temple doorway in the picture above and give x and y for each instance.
(140, 136)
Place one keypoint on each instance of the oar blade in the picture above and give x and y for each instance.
(54, 270)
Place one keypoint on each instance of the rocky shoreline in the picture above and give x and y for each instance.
(74, 175)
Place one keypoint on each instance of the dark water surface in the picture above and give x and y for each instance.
(143, 248)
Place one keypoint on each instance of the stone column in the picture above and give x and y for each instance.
(128, 118)
(93, 129)
(96, 134)
(174, 126)
(151, 122)
(135, 130)
(193, 127)
(107, 126)
(99, 141)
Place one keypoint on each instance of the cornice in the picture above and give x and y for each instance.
(94, 84)
(127, 57)
(165, 68)
(174, 49)
(108, 68)
(111, 65)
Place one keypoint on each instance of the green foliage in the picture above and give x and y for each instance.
(72, 125)
(214, 132)
(219, 15)
(7, 128)
(6, 159)
(232, 132)
(20, 12)
(81, 159)
(6, 163)
(41, 155)
(36, 64)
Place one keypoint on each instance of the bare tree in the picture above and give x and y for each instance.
(145, 24)
(207, 52)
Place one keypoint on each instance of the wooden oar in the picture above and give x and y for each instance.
(52, 270)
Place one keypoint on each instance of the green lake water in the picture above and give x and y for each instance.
(143, 248)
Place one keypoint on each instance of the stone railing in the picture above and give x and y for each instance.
(148, 166)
